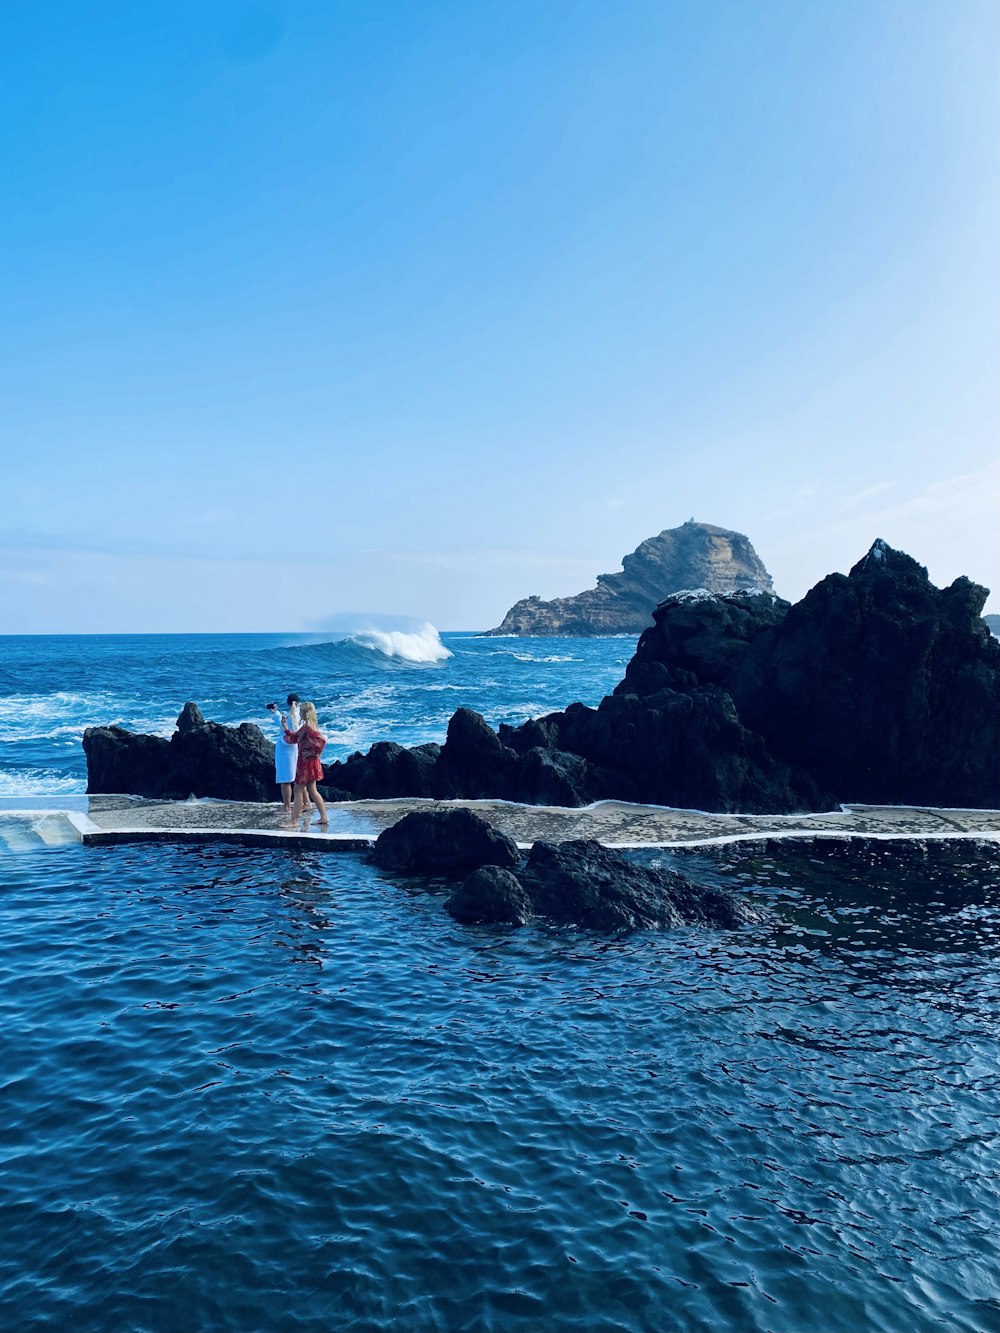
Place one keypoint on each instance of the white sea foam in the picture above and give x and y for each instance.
(39, 782)
(49, 716)
(420, 644)
(63, 717)
(531, 657)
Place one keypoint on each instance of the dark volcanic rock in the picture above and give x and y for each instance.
(697, 639)
(583, 883)
(554, 777)
(670, 734)
(449, 843)
(230, 763)
(491, 894)
(473, 763)
(884, 687)
(121, 761)
(689, 750)
(387, 770)
(190, 718)
(201, 759)
(695, 555)
(876, 687)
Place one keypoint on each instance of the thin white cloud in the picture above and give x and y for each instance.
(948, 525)
(869, 493)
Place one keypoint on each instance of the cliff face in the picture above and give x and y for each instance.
(695, 555)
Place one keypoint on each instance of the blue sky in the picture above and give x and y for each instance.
(421, 307)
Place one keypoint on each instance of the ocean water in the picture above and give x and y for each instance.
(375, 685)
(269, 1090)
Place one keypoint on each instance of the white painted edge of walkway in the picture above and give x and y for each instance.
(137, 833)
(207, 834)
(81, 822)
(842, 835)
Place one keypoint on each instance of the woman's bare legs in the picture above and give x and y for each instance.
(303, 792)
(317, 801)
(286, 797)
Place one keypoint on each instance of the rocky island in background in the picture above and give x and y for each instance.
(695, 555)
(876, 688)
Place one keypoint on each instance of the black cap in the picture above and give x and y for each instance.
(292, 699)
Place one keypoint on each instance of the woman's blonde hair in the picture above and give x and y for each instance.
(309, 716)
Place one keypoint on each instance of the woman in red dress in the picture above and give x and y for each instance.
(308, 770)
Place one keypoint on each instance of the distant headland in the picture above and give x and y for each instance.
(695, 555)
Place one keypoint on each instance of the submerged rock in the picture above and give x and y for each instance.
(574, 883)
(695, 555)
(583, 883)
(491, 894)
(587, 884)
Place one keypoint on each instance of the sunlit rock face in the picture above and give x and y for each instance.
(693, 556)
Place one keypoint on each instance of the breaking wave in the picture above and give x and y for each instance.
(387, 640)
(417, 645)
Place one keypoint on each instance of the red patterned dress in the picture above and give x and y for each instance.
(311, 745)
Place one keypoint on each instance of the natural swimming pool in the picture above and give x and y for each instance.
(248, 1090)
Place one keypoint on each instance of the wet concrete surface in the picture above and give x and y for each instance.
(355, 825)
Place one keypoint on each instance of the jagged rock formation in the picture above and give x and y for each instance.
(200, 759)
(883, 687)
(695, 555)
(877, 687)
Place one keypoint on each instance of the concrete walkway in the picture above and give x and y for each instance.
(355, 825)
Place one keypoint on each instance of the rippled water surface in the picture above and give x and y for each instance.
(251, 1090)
